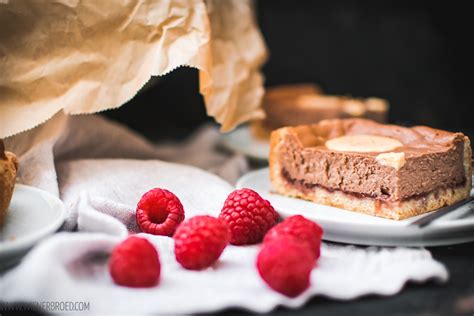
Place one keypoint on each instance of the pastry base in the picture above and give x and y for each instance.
(391, 210)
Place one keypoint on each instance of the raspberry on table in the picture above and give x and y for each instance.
(135, 263)
(302, 229)
(285, 265)
(248, 216)
(159, 212)
(200, 241)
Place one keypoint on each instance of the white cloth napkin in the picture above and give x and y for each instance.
(100, 169)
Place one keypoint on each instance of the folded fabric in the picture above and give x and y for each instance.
(100, 170)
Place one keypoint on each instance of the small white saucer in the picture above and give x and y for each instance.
(354, 228)
(32, 215)
(242, 141)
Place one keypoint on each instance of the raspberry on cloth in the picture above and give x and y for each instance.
(248, 215)
(135, 263)
(200, 241)
(285, 265)
(159, 212)
(300, 228)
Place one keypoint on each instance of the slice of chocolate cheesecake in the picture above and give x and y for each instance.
(300, 104)
(364, 166)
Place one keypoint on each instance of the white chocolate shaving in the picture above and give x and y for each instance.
(394, 160)
(363, 143)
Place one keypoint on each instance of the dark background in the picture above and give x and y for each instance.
(416, 54)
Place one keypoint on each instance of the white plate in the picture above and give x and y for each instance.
(242, 141)
(33, 214)
(354, 228)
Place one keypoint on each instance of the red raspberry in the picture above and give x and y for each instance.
(159, 212)
(285, 265)
(300, 228)
(199, 242)
(248, 216)
(135, 263)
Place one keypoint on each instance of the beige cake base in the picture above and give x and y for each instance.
(391, 210)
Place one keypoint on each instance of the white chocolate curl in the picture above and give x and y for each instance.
(363, 143)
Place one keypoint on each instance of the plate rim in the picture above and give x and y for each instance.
(226, 141)
(31, 239)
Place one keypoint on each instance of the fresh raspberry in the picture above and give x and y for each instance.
(159, 212)
(199, 242)
(248, 216)
(135, 263)
(300, 228)
(285, 265)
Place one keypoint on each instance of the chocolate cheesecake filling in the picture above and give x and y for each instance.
(434, 161)
(302, 186)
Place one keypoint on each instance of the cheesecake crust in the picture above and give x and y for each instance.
(363, 183)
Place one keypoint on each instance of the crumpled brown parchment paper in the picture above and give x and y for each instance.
(85, 56)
